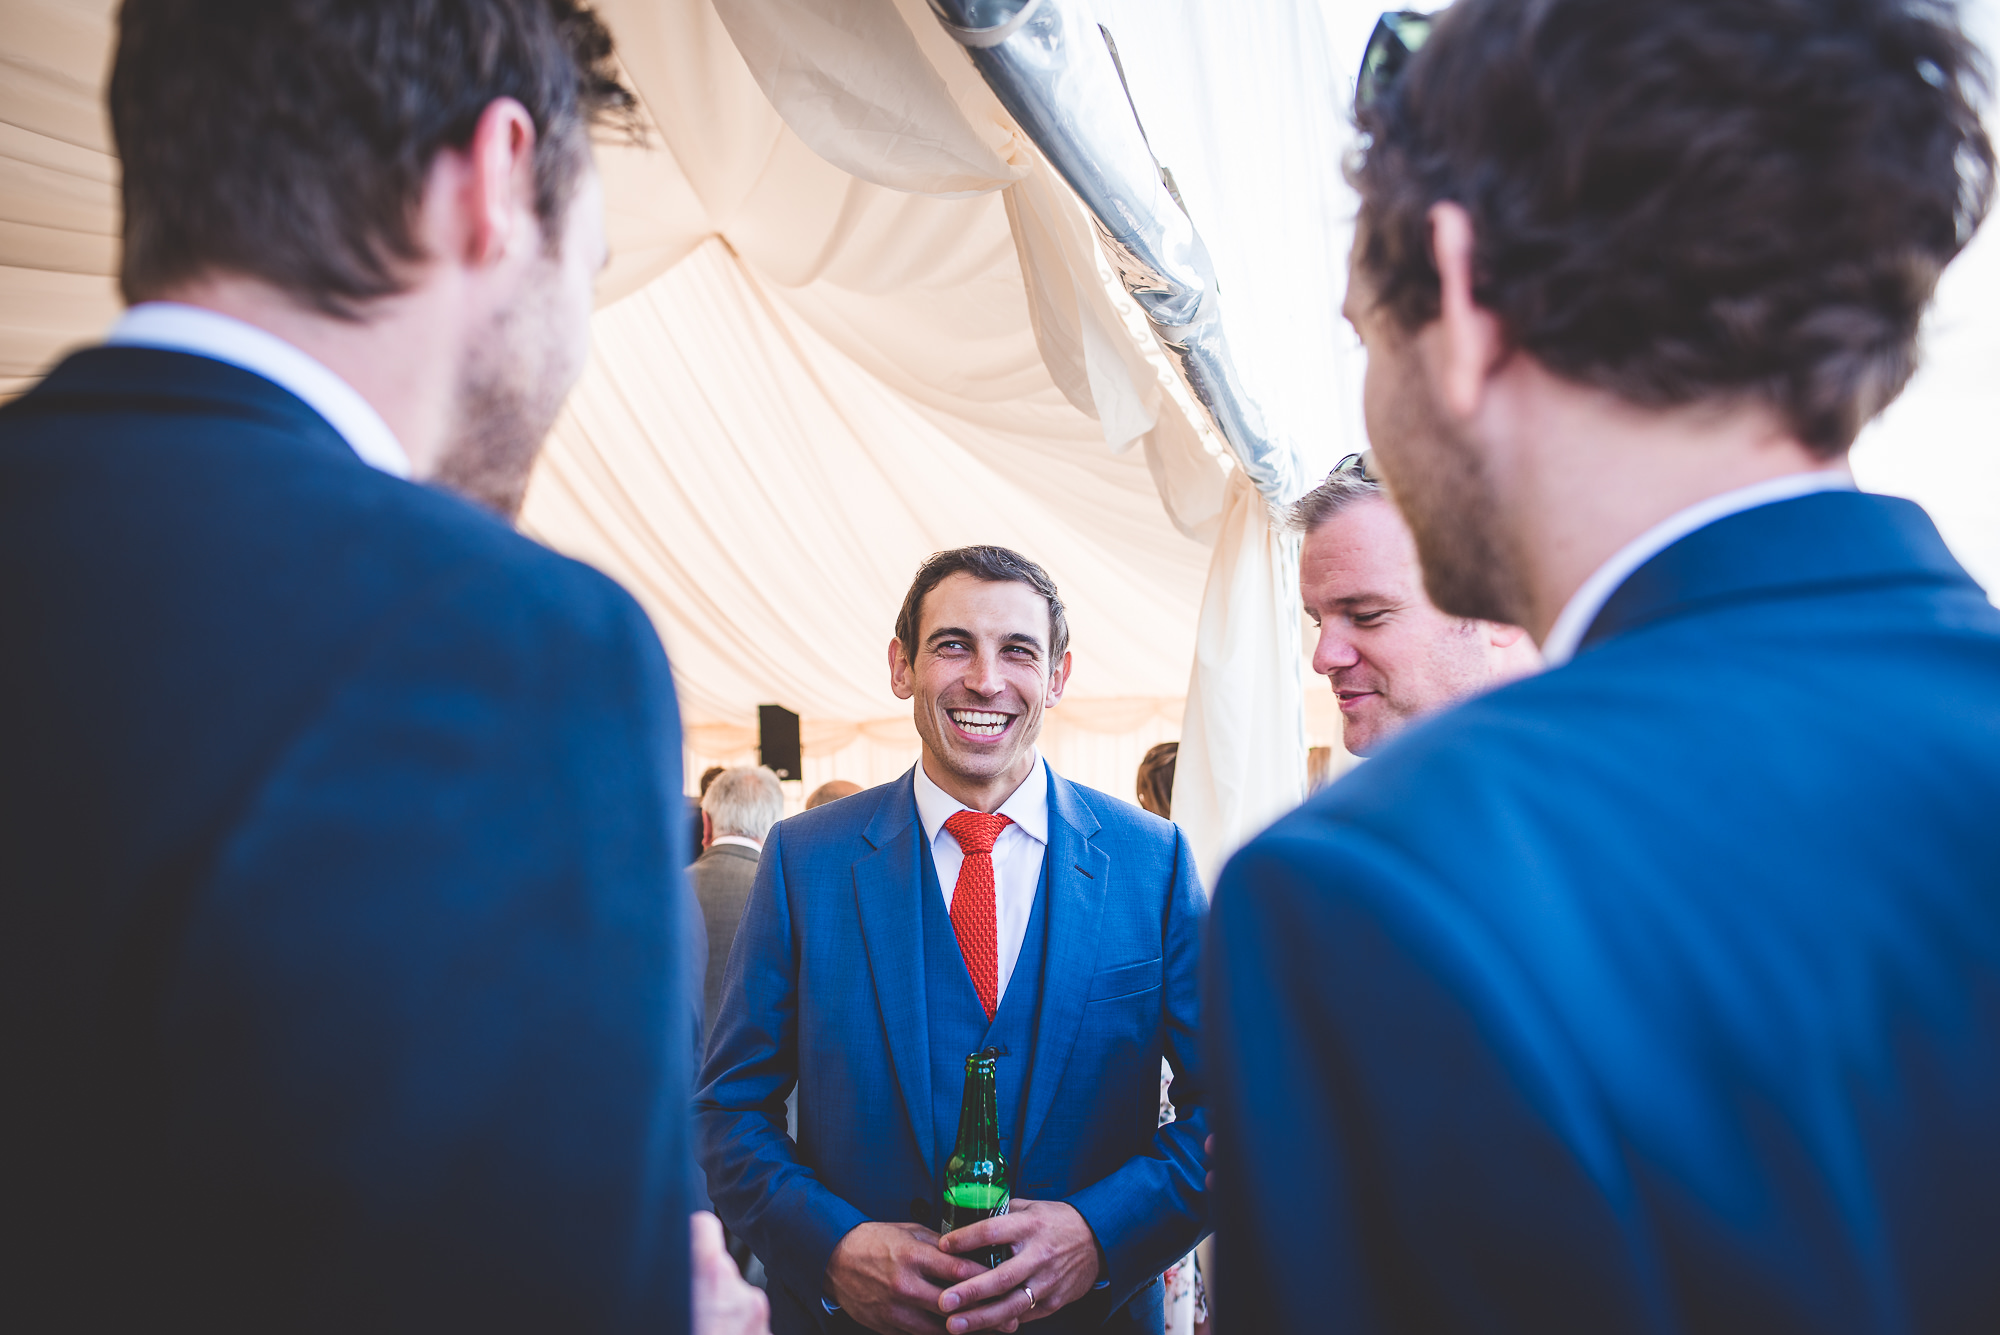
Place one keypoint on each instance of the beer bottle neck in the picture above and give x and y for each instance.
(979, 1111)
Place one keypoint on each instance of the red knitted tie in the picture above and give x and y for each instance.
(972, 902)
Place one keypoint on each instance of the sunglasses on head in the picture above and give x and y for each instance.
(1360, 465)
(1398, 35)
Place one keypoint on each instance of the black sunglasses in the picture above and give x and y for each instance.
(1398, 35)
(1360, 465)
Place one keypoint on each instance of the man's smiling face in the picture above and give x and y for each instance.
(1390, 655)
(980, 676)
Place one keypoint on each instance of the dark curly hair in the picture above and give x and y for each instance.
(1685, 200)
(289, 139)
(996, 565)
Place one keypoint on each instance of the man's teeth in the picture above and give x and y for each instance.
(978, 722)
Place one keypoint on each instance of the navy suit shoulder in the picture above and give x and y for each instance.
(336, 826)
(1652, 992)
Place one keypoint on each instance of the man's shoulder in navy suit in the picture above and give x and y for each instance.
(201, 439)
(299, 740)
(1620, 944)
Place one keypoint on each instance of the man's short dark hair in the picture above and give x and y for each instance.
(1689, 200)
(289, 140)
(996, 565)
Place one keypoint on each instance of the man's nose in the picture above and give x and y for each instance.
(1335, 649)
(983, 676)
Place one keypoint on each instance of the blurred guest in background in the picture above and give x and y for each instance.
(1388, 652)
(1156, 779)
(1656, 991)
(334, 814)
(1183, 1297)
(980, 901)
(738, 810)
(832, 791)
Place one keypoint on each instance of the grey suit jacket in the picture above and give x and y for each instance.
(722, 878)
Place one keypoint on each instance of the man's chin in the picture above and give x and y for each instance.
(980, 764)
(1363, 736)
(495, 479)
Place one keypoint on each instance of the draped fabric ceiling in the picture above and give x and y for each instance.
(805, 381)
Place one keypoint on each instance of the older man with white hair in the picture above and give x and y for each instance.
(737, 811)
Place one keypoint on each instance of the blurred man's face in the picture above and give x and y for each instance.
(520, 368)
(980, 677)
(1390, 655)
(1434, 471)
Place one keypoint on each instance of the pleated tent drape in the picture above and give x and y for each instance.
(836, 380)
(877, 88)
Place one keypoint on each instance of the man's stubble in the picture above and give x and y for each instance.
(1438, 480)
(510, 392)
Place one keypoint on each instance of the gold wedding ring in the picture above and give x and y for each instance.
(1031, 1296)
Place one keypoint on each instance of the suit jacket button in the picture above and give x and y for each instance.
(921, 1212)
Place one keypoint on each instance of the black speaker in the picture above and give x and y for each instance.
(778, 741)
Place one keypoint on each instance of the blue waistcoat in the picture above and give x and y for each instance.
(958, 1024)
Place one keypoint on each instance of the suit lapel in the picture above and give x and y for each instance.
(1078, 873)
(1828, 540)
(888, 889)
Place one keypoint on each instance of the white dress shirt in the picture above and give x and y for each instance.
(1583, 606)
(1017, 856)
(740, 840)
(205, 333)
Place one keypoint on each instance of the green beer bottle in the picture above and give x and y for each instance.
(975, 1180)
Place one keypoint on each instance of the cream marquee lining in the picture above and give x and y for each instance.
(815, 365)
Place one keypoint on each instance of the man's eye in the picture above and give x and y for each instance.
(1368, 618)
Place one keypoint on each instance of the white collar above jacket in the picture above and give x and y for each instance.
(175, 327)
(1027, 807)
(1017, 855)
(1573, 623)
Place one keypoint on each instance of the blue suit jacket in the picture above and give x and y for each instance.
(1657, 993)
(338, 825)
(826, 988)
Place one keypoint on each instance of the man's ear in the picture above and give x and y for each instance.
(1058, 680)
(498, 193)
(1469, 343)
(899, 671)
(1503, 636)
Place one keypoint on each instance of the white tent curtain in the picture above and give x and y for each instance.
(877, 88)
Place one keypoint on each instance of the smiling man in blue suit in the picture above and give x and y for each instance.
(1659, 992)
(979, 901)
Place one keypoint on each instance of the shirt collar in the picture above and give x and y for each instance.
(205, 333)
(1027, 806)
(741, 840)
(1583, 606)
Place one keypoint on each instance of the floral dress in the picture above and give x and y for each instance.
(1187, 1298)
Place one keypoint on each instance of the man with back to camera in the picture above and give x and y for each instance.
(737, 811)
(1655, 992)
(341, 988)
(1389, 654)
(979, 901)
